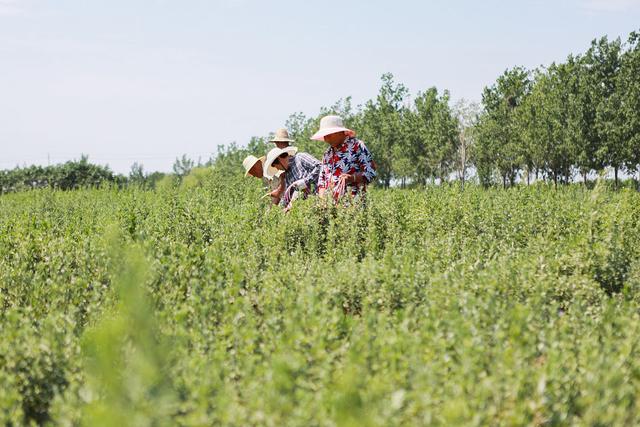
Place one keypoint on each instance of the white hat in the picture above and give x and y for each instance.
(329, 125)
(249, 161)
(274, 154)
(281, 135)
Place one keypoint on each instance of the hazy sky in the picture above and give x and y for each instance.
(133, 80)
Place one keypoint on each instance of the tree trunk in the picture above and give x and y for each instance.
(584, 178)
(615, 176)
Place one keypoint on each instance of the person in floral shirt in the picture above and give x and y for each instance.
(347, 165)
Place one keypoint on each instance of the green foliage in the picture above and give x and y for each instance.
(203, 305)
(545, 120)
(126, 356)
(197, 177)
(627, 116)
(182, 166)
(382, 127)
(500, 144)
(39, 360)
(576, 116)
(571, 118)
(467, 115)
(137, 175)
(410, 143)
(70, 175)
(602, 62)
(434, 140)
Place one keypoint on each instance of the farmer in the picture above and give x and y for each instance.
(254, 166)
(300, 173)
(281, 138)
(347, 165)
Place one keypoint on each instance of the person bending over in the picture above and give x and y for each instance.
(254, 166)
(300, 171)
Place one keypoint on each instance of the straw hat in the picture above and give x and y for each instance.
(249, 161)
(282, 135)
(273, 155)
(329, 125)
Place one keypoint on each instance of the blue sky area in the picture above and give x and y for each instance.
(146, 81)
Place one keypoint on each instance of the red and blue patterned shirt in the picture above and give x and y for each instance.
(350, 157)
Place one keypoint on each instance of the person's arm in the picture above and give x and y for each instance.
(314, 172)
(355, 178)
(323, 178)
(276, 194)
(366, 165)
(283, 181)
(367, 168)
(310, 168)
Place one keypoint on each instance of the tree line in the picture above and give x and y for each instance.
(70, 175)
(556, 123)
(565, 120)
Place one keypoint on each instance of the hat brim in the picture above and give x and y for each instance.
(272, 172)
(319, 136)
(272, 156)
(281, 140)
(258, 159)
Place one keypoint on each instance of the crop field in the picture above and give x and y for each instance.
(199, 305)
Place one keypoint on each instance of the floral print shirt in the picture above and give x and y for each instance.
(350, 157)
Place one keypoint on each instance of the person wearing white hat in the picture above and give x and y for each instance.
(347, 165)
(281, 138)
(254, 166)
(300, 172)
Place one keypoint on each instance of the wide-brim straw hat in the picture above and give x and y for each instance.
(249, 161)
(273, 155)
(330, 125)
(281, 135)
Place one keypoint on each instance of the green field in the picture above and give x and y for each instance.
(201, 306)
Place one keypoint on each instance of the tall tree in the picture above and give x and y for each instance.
(628, 87)
(433, 141)
(182, 166)
(544, 117)
(466, 114)
(445, 138)
(603, 60)
(136, 174)
(381, 126)
(500, 145)
(300, 129)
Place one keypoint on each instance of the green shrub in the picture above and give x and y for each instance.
(201, 304)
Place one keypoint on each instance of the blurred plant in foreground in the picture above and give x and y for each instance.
(126, 357)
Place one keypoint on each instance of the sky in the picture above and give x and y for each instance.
(127, 81)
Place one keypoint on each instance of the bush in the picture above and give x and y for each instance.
(428, 306)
